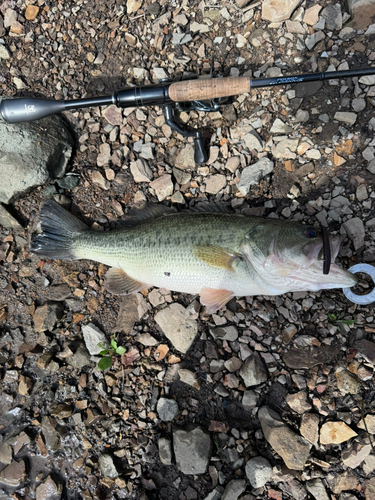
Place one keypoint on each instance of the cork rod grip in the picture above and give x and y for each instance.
(200, 90)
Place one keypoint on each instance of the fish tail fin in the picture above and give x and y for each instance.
(59, 229)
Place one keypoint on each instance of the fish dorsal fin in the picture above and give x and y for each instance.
(216, 256)
(119, 283)
(214, 299)
(145, 213)
(208, 207)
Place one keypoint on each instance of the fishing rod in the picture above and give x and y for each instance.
(199, 94)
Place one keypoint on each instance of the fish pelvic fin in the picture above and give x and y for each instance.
(216, 256)
(59, 229)
(119, 283)
(214, 299)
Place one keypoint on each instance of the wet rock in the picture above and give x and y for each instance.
(165, 451)
(335, 433)
(107, 466)
(254, 173)
(180, 331)
(92, 336)
(258, 471)
(278, 10)
(317, 489)
(132, 308)
(25, 386)
(18, 442)
(6, 453)
(192, 447)
(14, 474)
(298, 402)
(234, 489)
(293, 448)
(307, 357)
(310, 427)
(141, 171)
(332, 15)
(356, 231)
(47, 489)
(32, 154)
(253, 371)
(167, 409)
(46, 316)
(50, 434)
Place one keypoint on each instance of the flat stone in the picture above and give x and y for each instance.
(165, 451)
(229, 332)
(250, 399)
(14, 474)
(189, 378)
(253, 141)
(80, 358)
(312, 40)
(107, 466)
(358, 451)
(234, 489)
(92, 336)
(332, 15)
(279, 127)
(317, 489)
(180, 331)
(113, 115)
(370, 489)
(356, 231)
(370, 423)
(311, 15)
(335, 433)
(346, 117)
(254, 173)
(192, 448)
(132, 308)
(181, 38)
(99, 180)
(215, 183)
(163, 186)
(346, 480)
(4, 53)
(302, 358)
(133, 6)
(298, 402)
(185, 158)
(141, 171)
(258, 471)
(285, 149)
(46, 316)
(346, 382)
(104, 156)
(47, 490)
(167, 409)
(278, 10)
(292, 448)
(253, 371)
(362, 12)
(50, 434)
(310, 427)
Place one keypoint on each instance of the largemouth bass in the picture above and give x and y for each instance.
(214, 254)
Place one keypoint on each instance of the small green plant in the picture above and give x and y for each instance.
(332, 318)
(109, 353)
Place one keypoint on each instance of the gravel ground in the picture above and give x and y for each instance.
(270, 398)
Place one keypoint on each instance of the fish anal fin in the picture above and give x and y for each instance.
(216, 256)
(214, 299)
(119, 283)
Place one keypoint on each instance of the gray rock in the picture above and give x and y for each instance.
(6, 219)
(254, 173)
(180, 331)
(345, 117)
(192, 447)
(181, 38)
(358, 104)
(50, 434)
(312, 40)
(215, 494)
(165, 451)
(107, 466)
(47, 490)
(278, 10)
(250, 399)
(229, 332)
(215, 183)
(303, 358)
(302, 116)
(362, 12)
(14, 474)
(253, 371)
(132, 308)
(356, 231)
(285, 149)
(234, 489)
(253, 141)
(31, 154)
(317, 489)
(259, 471)
(4, 53)
(45, 317)
(292, 448)
(279, 127)
(332, 15)
(185, 158)
(141, 171)
(167, 409)
(371, 166)
(80, 358)
(92, 335)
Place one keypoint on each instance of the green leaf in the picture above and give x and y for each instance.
(120, 350)
(103, 353)
(102, 345)
(104, 363)
(113, 344)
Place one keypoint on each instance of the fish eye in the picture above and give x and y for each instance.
(310, 232)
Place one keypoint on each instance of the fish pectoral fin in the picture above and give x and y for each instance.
(216, 256)
(214, 299)
(119, 283)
